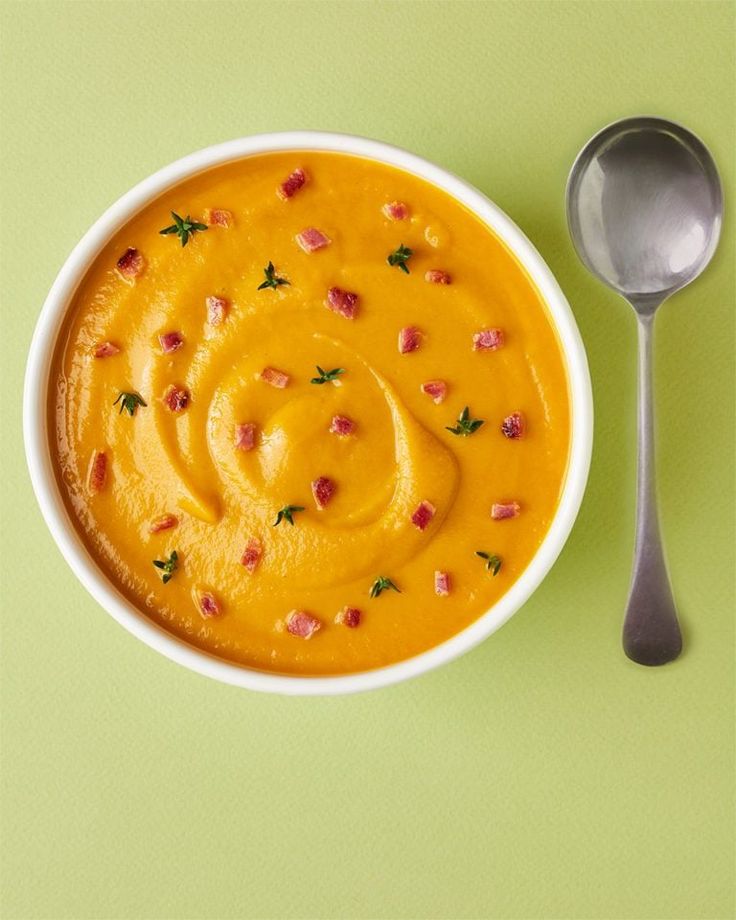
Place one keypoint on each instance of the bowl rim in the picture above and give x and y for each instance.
(93, 578)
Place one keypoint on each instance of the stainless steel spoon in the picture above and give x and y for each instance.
(644, 207)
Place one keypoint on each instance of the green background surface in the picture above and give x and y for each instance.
(541, 776)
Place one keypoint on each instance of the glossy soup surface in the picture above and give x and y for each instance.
(189, 464)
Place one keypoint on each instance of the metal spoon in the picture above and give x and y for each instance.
(644, 207)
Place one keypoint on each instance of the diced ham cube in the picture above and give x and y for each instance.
(171, 341)
(165, 522)
(441, 584)
(436, 390)
(274, 377)
(131, 263)
(245, 436)
(502, 510)
(97, 471)
(105, 350)
(291, 185)
(176, 398)
(217, 310)
(396, 210)
(209, 606)
(311, 239)
(349, 616)
(435, 276)
(323, 489)
(252, 555)
(513, 425)
(410, 339)
(423, 515)
(342, 426)
(302, 624)
(488, 339)
(343, 302)
(217, 217)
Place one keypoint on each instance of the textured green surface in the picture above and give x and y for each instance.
(543, 775)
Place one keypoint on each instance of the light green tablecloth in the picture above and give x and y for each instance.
(541, 776)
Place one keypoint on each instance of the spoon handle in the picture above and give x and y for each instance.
(651, 634)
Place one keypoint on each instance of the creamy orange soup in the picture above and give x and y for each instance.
(289, 426)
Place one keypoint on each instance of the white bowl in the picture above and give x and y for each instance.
(37, 444)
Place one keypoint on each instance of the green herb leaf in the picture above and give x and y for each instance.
(286, 514)
(129, 402)
(272, 279)
(168, 566)
(183, 227)
(493, 562)
(382, 584)
(400, 257)
(327, 376)
(465, 424)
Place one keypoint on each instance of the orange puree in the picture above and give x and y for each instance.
(203, 468)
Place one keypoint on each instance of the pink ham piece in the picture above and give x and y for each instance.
(436, 390)
(423, 515)
(291, 184)
(131, 263)
(252, 555)
(217, 217)
(105, 350)
(274, 377)
(171, 341)
(302, 624)
(441, 584)
(488, 340)
(209, 605)
(97, 471)
(502, 510)
(410, 339)
(396, 210)
(311, 239)
(165, 522)
(323, 489)
(245, 436)
(217, 310)
(343, 302)
(513, 425)
(176, 398)
(342, 426)
(349, 616)
(435, 276)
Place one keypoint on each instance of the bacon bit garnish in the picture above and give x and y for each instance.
(343, 302)
(274, 377)
(165, 522)
(302, 624)
(252, 555)
(342, 426)
(217, 310)
(513, 425)
(396, 210)
(176, 398)
(217, 217)
(349, 616)
(410, 338)
(323, 489)
(291, 185)
(502, 510)
(245, 436)
(105, 350)
(441, 584)
(311, 239)
(436, 390)
(435, 276)
(488, 339)
(171, 341)
(209, 605)
(423, 515)
(97, 471)
(131, 263)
